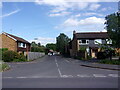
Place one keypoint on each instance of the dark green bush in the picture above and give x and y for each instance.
(101, 55)
(9, 56)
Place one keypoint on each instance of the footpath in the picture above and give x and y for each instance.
(95, 64)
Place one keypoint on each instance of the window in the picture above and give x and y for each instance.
(109, 41)
(97, 41)
(84, 41)
(23, 45)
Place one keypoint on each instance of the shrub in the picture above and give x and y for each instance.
(101, 55)
(20, 57)
(9, 56)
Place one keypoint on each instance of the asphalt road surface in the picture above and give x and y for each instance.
(57, 72)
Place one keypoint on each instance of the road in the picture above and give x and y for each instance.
(57, 72)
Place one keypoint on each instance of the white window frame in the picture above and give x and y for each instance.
(98, 40)
(108, 41)
(80, 42)
(21, 45)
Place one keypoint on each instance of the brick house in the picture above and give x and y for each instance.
(88, 40)
(14, 43)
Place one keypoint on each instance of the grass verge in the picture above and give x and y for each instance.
(106, 61)
(4, 67)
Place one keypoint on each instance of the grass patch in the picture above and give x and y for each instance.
(4, 66)
(106, 61)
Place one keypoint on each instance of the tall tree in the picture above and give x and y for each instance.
(61, 43)
(51, 46)
(113, 27)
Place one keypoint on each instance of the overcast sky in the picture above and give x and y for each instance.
(43, 20)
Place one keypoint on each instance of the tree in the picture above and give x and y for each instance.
(51, 46)
(113, 28)
(62, 42)
(37, 47)
(39, 44)
(33, 44)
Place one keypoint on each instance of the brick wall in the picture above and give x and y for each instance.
(8, 42)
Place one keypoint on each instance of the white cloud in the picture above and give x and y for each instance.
(64, 5)
(88, 21)
(103, 9)
(44, 40)
(11, 13)
(0, 4)
(78, 15)
(59, 14)
(91, 13)
(104, 30)
(94, 6)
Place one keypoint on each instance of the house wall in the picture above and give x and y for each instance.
(91, 44)
(74, 47)
(8, 42)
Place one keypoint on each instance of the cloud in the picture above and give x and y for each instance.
(92, 13)
(44, 40)
(59, 14)
(94, 6)
(88, 21)
(0, 4)
(11, 13)
(104, 30)
(103, 9)
(64, 5)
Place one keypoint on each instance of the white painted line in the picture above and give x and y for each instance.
(82, 75)
(21, 77)
(113, 75)
(66, 76)
(59, 72)
(43, 77)
(7, 77)
(67, 61)
(99, 75)
(58, 68)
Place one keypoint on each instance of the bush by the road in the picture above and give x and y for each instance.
(101, 55)
(9, 56)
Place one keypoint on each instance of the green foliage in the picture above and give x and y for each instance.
(9, 56)
(51, 46)
(115, 62)
(113, 27)
(62, 42)
(82, 49)
(37, 47)
(4, 67)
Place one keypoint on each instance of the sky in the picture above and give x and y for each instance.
(43, 20)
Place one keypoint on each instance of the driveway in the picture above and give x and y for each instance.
(57, 72)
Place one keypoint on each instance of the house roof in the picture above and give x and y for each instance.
(92, 35)
(16, 38)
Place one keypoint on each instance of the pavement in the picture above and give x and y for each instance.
(58, 72)
(95, 64)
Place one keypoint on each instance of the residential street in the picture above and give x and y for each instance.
(57, 72)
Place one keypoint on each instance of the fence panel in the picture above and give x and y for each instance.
(34, 55)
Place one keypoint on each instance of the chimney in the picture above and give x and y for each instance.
(74, 32)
